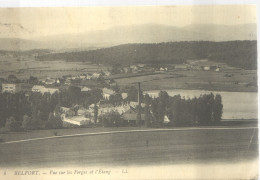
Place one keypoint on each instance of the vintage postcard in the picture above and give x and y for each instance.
(129, 92)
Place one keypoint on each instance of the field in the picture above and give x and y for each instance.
(178, 146)
(42, 69)
(228, 80)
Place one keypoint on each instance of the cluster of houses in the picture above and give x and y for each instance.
(203, 64)
(85, 116)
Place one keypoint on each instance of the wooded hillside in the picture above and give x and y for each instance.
(242, 54)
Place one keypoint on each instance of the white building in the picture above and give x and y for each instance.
(75, 120)
(11, 87)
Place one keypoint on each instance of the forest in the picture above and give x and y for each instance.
(241, 54)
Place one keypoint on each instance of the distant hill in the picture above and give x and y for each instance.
(152, 33)
(242, 54)
(16, 37)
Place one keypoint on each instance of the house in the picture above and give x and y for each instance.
(74, 120)
(49, 81)
(64, 109)
(74, 77)
(42, 89)
(107, 73)
(57, 81)
(124, 95)
(206, 68)
(141, 65)
(83, 111)
(82, 76)
(107, 93)
(11, 87)
(134, 67)
(85, 89)
(88, 76)
(96, 75)
(130, 116)
(163, 69)
(135, 104)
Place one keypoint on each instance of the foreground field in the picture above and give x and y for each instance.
(140, 148)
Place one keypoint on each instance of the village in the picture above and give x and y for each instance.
(103, 81)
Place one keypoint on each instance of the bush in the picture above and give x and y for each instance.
(27, 123)
(12, 125)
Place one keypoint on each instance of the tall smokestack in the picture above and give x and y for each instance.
(139, 118)
(139, 93)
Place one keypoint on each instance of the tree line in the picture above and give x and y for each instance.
(204, 110)
(33, 110)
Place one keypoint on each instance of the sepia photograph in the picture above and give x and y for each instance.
(129, 92)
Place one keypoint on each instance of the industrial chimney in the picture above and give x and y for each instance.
(139, 117)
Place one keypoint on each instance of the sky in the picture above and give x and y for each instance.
(40, 22)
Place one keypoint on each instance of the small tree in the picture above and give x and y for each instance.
(217, 109)
(95, 113)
